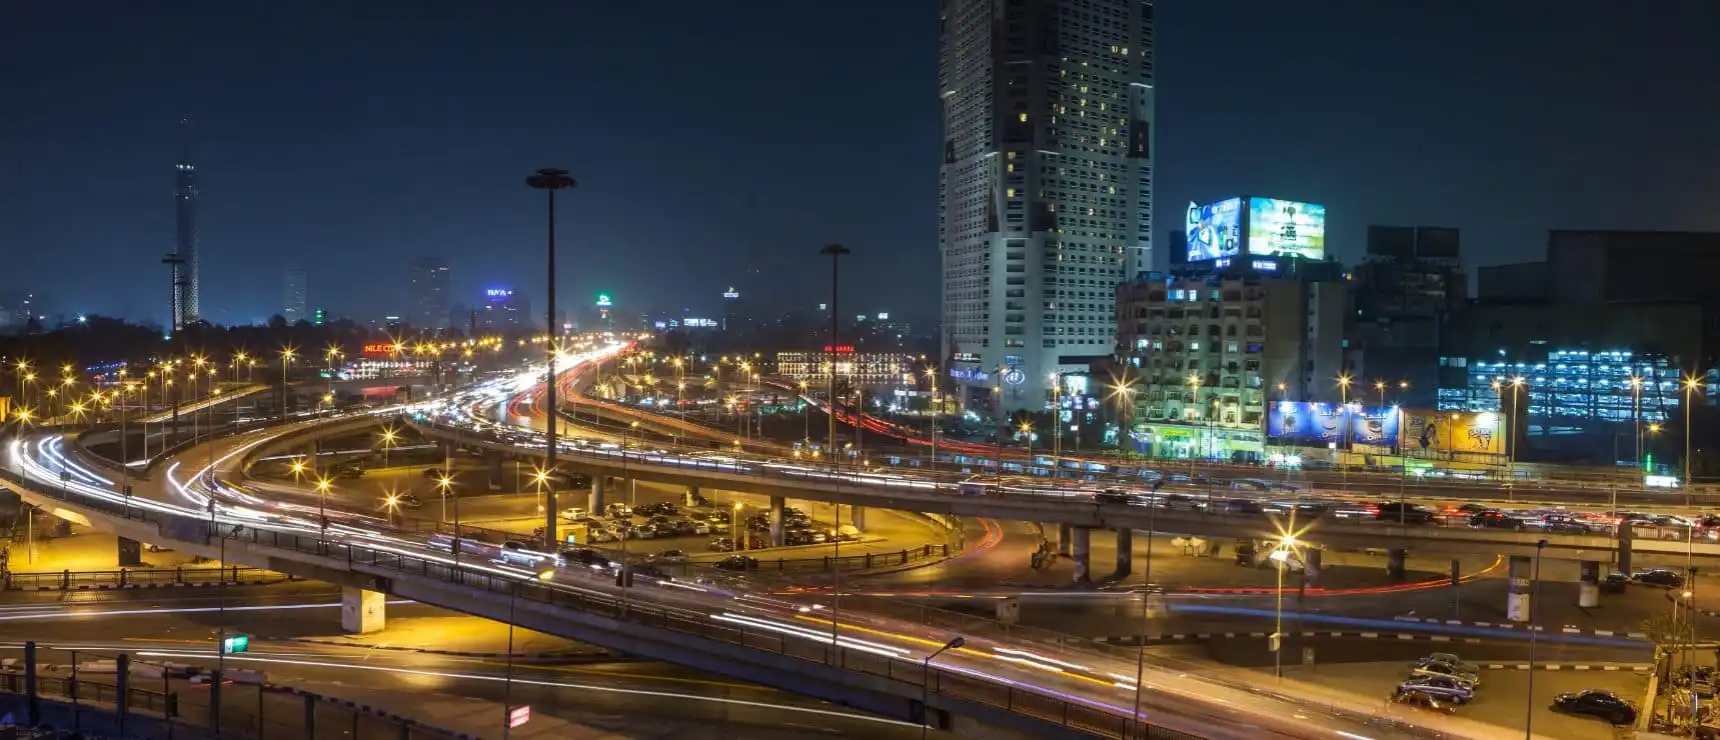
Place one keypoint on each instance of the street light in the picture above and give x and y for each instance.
(1344, 440)
(549, 180)
(926, 682)
(287, 355)
(1286, 545)
(1636, 417)
(322, 487)
(1511, 424)
(1534, 609)
(835, 252)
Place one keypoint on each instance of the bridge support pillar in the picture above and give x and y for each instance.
(776, 505)
(1125, 553)
(692, 497)
(1624, 540)
(448, 450)
(130, 553)
(362, 612)
(493, 459)
(1065, 535)
(594, 502)
(1394, 563)
(1589, 584)
(1082, 554)
(1311, 566)
(857, 516)
(1518, 583)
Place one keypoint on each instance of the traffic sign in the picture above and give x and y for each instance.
(519, 715)
(236, 644)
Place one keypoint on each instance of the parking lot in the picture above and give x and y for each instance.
(1501, 699)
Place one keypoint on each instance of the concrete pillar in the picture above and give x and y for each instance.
(130, 553)
(1311, 566)
(1081, 551)
(857, 516)
(594, 502)
(1065, 535)
(448, 450)
(1518, 585)
(494, 459)
(1125, 552)
(1394, 563)
(1589, 584)
(1624, 539)
(691, 497)
(776, 505)
(361, 611)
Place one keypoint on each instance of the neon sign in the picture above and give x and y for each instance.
(499, 292)
(604, 301)
(379, 349)
(841, 349)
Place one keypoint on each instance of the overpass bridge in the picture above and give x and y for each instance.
(220, 397)
(1008, 686)
(1078, 512)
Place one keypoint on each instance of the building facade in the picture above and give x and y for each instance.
(1045, 190)
(857, 368)
(1213, 351)
(295, 297)
(1403, 295)
(187, 279)
(428, 294)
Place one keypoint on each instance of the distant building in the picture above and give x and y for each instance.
(1212, 351)
(1402, 295)
(427, 295)
(294, 297)
(857, 368)
(504, 311)
(188, 276)
(1045, 186)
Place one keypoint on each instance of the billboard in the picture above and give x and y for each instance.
(1285, 227)
(1214, 230)
(1454, 431)
(1319, 424)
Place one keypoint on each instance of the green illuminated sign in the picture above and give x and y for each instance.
(236, 644)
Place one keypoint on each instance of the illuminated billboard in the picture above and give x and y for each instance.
(1451, 431)
(1214, 230)
(1317, 424)
(1286, 227)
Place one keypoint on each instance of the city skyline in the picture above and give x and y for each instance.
(274, 177)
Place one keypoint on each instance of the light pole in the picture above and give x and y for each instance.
(1534, 609)
(1281, 557)
(926, 682)
(287, 355)
(1690, 385)
(323, 485)
(1056, 424)
(1636, 417)
(549, 180)
(1344, 438)
(835, 252)
(1194, 384)
(1511, 424)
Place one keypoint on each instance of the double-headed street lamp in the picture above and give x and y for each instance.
(549, 180)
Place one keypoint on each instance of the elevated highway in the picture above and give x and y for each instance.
(1008, 685)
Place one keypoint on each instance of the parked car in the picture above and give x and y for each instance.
(723, 544)
(573, 513)
(408, 501)
(1453, 671)
(1441, 688)
(1451, 660)
(1497, 520)
(670, 556)
(1404, 512)
(1603, 704)
(1659, 577)
(1614, 583)
(737, 563)
(618, 510)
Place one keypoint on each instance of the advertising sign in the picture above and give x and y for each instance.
(1317, 424)
(498, 292)
(1454, 431)
(1285, 227)
(519, 715)
(375, 349)
(1214, 230)
(604, 301)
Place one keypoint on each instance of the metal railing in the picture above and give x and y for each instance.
(69, 580)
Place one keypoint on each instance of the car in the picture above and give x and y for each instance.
(1598, 703)
(1497, 520)
(723, 544)
(1440, 688)
(408, 501)
(1113, 496)
(1450, 659)
(1453, 671)
(1243, 506)
(618, 510)
(737, 563)
(1659, 577)
(1614, 583)
(1473, 509)
(670, 556)
(585, 556)
(1406, 513)
(701, 527)
(573, 513)
(1563, 524)
(434, 473)
(519, 553)
(645, 532)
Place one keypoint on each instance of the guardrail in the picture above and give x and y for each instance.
(74, 580)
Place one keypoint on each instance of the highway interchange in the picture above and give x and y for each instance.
(241, 503)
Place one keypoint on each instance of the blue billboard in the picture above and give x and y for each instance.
(1214, 230)
(1318, 424)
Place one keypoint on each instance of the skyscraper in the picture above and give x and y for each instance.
(187, 284)
(428, 295)
(1045, 201)
(293, 298)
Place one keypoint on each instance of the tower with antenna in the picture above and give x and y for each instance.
(187, 282)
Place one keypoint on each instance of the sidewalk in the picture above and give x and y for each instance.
(87, 550)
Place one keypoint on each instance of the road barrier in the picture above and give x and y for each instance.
(102, 580)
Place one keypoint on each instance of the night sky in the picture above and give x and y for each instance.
(350, 138)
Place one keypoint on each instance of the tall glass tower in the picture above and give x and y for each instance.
(187, 284)
(1045, 190)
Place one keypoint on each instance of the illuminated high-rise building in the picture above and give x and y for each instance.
(427, 295)
(295, 297)
(187, 278)
(1045, 201)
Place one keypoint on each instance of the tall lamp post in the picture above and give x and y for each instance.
(1690, 385)
(287, 355)
(549, 180)
(1534, 609)
(1636, 417)
(926, 682)
(835, 252)
(1344, 441)
(1511, 424)
(1280, 558)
